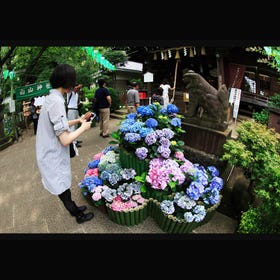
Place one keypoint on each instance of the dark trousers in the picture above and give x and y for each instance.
(69, 204)
(35, 124)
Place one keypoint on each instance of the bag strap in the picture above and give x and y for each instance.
(69, 98)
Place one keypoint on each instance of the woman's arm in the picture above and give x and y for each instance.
(67, 137)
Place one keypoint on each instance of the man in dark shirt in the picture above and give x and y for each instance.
(104, 101)
(34, 115)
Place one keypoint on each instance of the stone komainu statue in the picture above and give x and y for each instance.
(204, 100)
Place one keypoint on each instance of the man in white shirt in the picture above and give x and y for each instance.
(72, 100)
(165, 94)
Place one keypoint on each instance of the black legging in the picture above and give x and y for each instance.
(69, 204)
(35, 124)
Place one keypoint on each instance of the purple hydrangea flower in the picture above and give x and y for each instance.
(141, 153)
(132, 137)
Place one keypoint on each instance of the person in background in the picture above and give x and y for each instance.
(53, 139)
(157, 96)
(34, 114)
(133, 100)
(72, 99)
(165, 94)
(103, 103)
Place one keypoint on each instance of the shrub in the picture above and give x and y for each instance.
(261, 117)
(274, 101)
(257, 151)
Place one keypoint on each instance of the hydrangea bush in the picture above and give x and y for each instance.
(151, 132)
(152, 135)
(107, 182)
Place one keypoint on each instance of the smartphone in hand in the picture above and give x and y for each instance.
(91, 118)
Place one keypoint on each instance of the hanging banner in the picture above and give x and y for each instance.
(236, 103)
(33, 90)
(233, 95)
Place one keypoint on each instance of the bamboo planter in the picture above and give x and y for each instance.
(130, 217)
(171, 224)
(129, 160)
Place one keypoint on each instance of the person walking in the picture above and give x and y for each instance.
(53, 139)
(34, 114)
(103, 102)
(133, 100)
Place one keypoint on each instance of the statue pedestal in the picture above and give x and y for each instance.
(204, 145)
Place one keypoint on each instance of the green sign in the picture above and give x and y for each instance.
(33, 90)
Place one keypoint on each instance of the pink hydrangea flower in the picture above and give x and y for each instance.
(98, 156)
(96, 196)
(179, 155)
(141, 200)
(92, 172)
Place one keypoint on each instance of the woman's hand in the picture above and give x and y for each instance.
(85, 117)
(85, 125)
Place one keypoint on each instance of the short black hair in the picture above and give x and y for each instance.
(32, 99)
(159, 91)
(64, 75)
(101, 82)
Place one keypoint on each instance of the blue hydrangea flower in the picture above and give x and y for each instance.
(94, 163)
(195, 190)
(131, 116)
(217, 183)
(151, 122)
(167, 207)
(213, 171)
(128, 173)
(172, 109)
(108, 149)
(109, 194)
(176, 122)
(189, 217)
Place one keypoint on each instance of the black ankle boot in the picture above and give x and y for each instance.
(80, 209)
(82, 217)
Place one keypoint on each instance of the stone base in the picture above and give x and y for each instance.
(207, 140)
(197, 156)
(207, 123)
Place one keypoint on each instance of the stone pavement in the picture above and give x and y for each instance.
(26, 207)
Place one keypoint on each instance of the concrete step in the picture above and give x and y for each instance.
(122, 111)
(117, 116)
